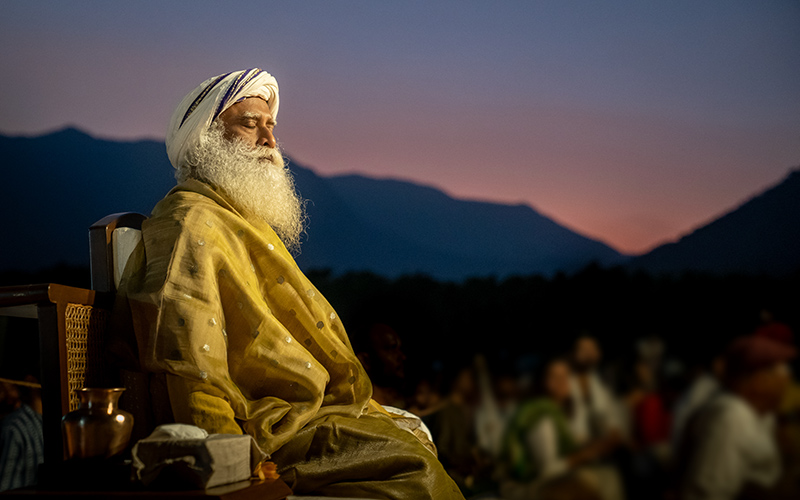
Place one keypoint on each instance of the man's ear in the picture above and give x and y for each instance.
(364, 358)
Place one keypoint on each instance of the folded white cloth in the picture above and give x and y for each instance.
(415, 421)
(188, 454)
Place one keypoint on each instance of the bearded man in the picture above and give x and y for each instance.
(244, 340)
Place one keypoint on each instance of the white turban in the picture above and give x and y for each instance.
(198, 110)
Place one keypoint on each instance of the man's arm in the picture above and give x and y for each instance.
(716, 468)
(10, 458)
(202, 405)
(543, 446)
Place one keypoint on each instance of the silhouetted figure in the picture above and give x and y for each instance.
(427, 399)
(380, 351)
(453, 429)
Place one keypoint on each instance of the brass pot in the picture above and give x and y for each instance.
(98, 428)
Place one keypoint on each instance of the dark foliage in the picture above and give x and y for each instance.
(446, 324)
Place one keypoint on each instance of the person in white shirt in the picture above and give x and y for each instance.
(496, 405)
(729, 449)
(596, 412)
(704, 385)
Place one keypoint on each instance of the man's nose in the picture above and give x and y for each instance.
(266, 138)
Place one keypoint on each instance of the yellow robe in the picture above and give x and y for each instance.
(247, 343)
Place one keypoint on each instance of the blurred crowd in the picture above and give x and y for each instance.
(721, 422)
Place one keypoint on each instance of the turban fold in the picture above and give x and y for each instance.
(198, 110)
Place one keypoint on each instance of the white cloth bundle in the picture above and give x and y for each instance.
(203, 105)
(188, 454)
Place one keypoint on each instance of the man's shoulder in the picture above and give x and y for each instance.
(724, 413)
(185, 211)
(21, 421)
(184, 199)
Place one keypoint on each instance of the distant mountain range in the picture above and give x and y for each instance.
(57, 185)
(762, 236)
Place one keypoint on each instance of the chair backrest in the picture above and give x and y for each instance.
(112, 239)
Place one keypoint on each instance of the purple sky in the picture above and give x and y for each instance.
(630, 121)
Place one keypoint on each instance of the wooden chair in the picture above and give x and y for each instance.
(71, 323)
(111, 242)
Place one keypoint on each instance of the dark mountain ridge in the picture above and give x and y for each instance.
(60, 183)
(762, 236)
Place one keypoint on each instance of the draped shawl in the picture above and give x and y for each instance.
(247, 343)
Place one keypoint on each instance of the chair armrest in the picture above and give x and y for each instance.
(23, 300)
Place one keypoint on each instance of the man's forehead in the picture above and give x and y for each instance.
(255, 107)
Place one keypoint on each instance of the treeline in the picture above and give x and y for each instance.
(507, 318)
(447, 322)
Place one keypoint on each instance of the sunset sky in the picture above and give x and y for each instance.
(632, 122)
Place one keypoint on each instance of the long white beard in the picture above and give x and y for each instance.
(255, 179)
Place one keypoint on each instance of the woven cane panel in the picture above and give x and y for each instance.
(85, 327)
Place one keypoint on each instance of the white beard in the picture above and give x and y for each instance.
(255, 179)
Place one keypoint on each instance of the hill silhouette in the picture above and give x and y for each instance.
(762, 236)
(58, 184)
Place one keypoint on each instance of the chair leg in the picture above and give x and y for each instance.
(52, 405)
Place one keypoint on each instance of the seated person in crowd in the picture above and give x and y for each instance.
(649, 422)
(245, 342)
(541, 454)
(728, 448)
(21, 437)
(787, 415)
(453, 429)
(497, 403)
(705, 369)
(379, 349)
(596, 412)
